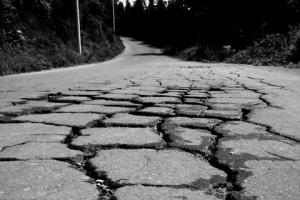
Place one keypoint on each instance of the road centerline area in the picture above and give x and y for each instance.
(145, 126)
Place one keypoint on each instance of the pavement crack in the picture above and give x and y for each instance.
(162, 132)
(15, 145)
(270, 130)
(262, 81)
(261, 97)
(281, 157)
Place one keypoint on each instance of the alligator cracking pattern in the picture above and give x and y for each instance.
(182, 94)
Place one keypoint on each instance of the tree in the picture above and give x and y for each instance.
(139, 6)
(8, 18)
(151, 5)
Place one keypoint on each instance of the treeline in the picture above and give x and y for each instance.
(41, 34)
(217, 30)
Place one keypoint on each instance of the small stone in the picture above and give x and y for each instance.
(100, 181)
(164, 193)
(131, 120)
(38, 151)
(146, 166)
(80, 120)
(94, 109)
(46, 179)
(133, 137)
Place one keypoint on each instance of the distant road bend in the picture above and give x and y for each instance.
(145, 126)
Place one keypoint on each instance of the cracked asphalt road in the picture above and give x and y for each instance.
(145, 126)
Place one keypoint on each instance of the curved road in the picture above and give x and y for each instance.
(146, 126)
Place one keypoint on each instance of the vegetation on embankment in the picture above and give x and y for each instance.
(41, 34)
(260, 32)
(278, 49)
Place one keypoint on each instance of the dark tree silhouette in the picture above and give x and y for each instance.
(217, 22)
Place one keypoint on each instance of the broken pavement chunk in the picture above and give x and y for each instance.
(70, 99)
(165, 193)
(194, 101)
(47, 179)
(191, 139)
(146, 166)
(133, 137)
(191, 122)
(113, 103)
(190, 110)
(240, 101)
(227, 114)
(30, 107)
(81, 93)
(119, 97)
(38, 151)
(123, 119)
(94, 109)
(283, 121)
(12, 134)
(159, 100)
(79, 120)
(241, 128)
(263, 148)
(158, 111)
(276, 180)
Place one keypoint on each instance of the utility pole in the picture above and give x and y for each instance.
(114, 18)
(78, 27)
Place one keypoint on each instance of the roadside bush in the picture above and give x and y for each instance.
(274, 49)
(295, 45)
(206, 52)
(41, 34)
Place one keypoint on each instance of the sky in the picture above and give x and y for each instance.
(131, 1)
(124, 1)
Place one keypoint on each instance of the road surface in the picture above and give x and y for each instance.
(146, 126)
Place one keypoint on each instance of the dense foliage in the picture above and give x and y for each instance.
(217, 30)
(41, 34)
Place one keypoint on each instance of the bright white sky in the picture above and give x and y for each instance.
(131, 1)
(124, 1)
